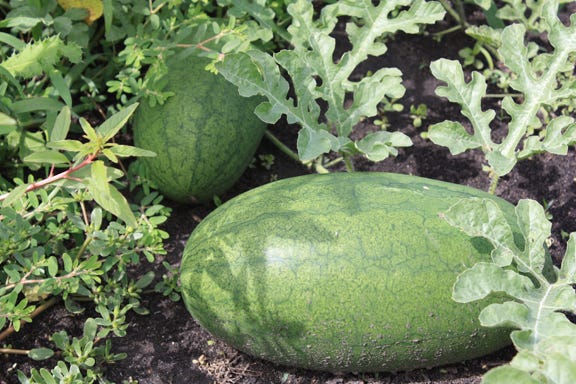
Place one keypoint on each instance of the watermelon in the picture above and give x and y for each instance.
(204, 136)
(344, 272)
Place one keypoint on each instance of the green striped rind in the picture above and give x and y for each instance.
(339, 272)
(204, 136)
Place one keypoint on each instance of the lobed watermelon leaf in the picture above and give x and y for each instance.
(540, 294)
(536, 78)
(319, 76)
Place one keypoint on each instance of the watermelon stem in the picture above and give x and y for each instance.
(283, 147)
(494, 178)
(348, 162)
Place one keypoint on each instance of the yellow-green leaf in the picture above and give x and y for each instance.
(94, 8)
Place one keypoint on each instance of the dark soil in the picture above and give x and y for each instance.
(168, 346)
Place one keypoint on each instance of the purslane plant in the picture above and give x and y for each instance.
(318, 77)
(73, 236)
(535, 78)
(539, 295)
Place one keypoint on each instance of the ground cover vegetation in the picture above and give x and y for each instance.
(82, 228)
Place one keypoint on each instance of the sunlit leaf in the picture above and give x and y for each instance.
(536, 229)
(61, 86)
(36, 104)
(568, 267)
(95, 8)
(318, 79)
(128, 150)
(537, 88)
(41, 56)
(507, 375)
(454, 136)
(483, 279)
(14, 195)
(107, 196)
(61, 125)
(532, 296)
(114, 123)
(40, 353)
(66, 145)
(47, 156)
(483, 217)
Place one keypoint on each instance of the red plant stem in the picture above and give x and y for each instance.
(53, 178)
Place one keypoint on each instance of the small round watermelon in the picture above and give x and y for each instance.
(204, 136)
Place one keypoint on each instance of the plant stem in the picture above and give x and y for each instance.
(53, 178)
(12, 351)
(494, 178)
(447, 31)
(455, 15)
(488, 57)
(282, 147)
(349, 163)
(461, 13)
(333, 162)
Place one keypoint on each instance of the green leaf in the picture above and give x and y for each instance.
(312, 143)
(13, 41)
(107, 196)
(128, 150)
(483, 279)
(507, 375)
(454, 136)
(484, 218)
(40, 353)
(377, 146)
(47, 156)
(90, 328)
(52, 264)
(469, 96)
(256, 73)
(110, 155)
(145, 280)
(560, 369)
(66, 145)
(96, 219)
(61, 125)
(40, 57)
(7, 124)
(485, 4)
(67, 261)
(109, 128)
(536, 229)
(568, 266)
(558, 136)
(20, 22)
(14, 195)
(61, 86)
(539, 88)
(485, 35)
(319, 79)
(509, 314)
(36, 104)
(89, 131)
(538, 295)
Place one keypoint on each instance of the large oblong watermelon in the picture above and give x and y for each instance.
(204, 136)
(340, 272)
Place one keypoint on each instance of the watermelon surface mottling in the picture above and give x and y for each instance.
(339, 272)
(204, 136)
